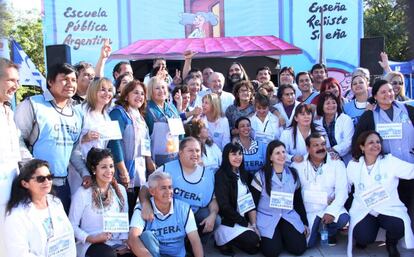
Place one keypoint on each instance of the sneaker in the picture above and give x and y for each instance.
(332, 240)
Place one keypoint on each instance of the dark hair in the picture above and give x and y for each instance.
(20, 194)
(158, 59)
(261, 100)
(263, 68)
(362, 138)
(183, 143)
(118, 67)
(321, 101)
(156, 70)
(59, 68)
(268, 166)
(118, 81)
(302, 107)
(242, 118)
(238, 86)
(190, 77)
(377, 85)
(288, 69)
(313, 135)
(184, 90)
(303, 73)
(93, 158)
(194, 130)
(319, 66)
(282, 89)
(228, 83)
(128, 89)
(226, 167)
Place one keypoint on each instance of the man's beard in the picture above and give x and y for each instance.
(236, 77)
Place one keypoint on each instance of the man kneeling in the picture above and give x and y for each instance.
(165, 235)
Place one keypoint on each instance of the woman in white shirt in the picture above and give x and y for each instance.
(36, 223)
(264, 123)
(338, 126)
(376, 203)
(92, 212)
(217, 125)
(211, 153)
(294, 136)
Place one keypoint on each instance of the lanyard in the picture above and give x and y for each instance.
(318, 171)
(377, 177)
(264, 130)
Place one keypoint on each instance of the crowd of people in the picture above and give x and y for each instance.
(94, 167)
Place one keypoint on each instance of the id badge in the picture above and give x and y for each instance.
(245, 203)
(390, 130)
(176, 126)
(374, 196)
(60, 246)
(145, 147)
(115, 222)
(281, 200)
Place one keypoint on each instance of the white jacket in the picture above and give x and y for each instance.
(390, 169)
(26, 236)
(87, 220)
(344, 130)
(332, 180)
(281, 110)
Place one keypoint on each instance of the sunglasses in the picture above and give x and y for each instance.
(41, 179)
(395, 83)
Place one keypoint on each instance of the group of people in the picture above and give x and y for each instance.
(95, 167)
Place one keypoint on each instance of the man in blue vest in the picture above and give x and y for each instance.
(165, 235)
(193, 184)
(51, 127)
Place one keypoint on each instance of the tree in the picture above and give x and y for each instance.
(6, 20)
(30, 36)
(389, 19)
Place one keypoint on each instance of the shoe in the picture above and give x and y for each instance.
(332, 240)
(225, 249)
(392, 250)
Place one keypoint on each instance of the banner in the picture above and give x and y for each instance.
(83, 25)
(28, 73)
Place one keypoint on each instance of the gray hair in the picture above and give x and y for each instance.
(218, 74)
(157, 176)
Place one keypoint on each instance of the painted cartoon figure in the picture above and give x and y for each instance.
(198, 20)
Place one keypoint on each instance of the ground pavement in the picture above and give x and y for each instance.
(374, 250)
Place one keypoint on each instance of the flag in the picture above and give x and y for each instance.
(29, 74)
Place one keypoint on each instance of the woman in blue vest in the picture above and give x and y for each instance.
(393, 120)
(132, 153)
(91, 209)
(164, 122)
(254, 151)
(357, 106)
(237, 209)
(281, 217)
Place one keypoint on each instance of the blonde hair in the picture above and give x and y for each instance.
(392, 74)
(152, 83)
(93, 89)
(214, 100)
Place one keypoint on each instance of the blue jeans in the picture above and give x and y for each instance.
(151, 243)
(63, 193)
(332, 228)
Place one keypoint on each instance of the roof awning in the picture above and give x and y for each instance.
(173, 49)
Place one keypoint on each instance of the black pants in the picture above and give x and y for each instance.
(132, 194)
(406, 193)
(248, 242)
(103, 250)
(285, 237)
(63, 193)
(365, 232)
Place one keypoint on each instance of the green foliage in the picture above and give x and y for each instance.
(6, 20)
(30, 36)
(25, 91)
(389, 19)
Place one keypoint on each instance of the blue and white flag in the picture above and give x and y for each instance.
(29, 74)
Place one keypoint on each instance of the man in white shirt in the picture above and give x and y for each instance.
(324, 190)
(216, 83)
(166, 233)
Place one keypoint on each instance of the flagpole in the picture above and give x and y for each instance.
(321, 41)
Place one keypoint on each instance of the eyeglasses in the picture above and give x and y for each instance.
(41, 179)
(396, 83)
